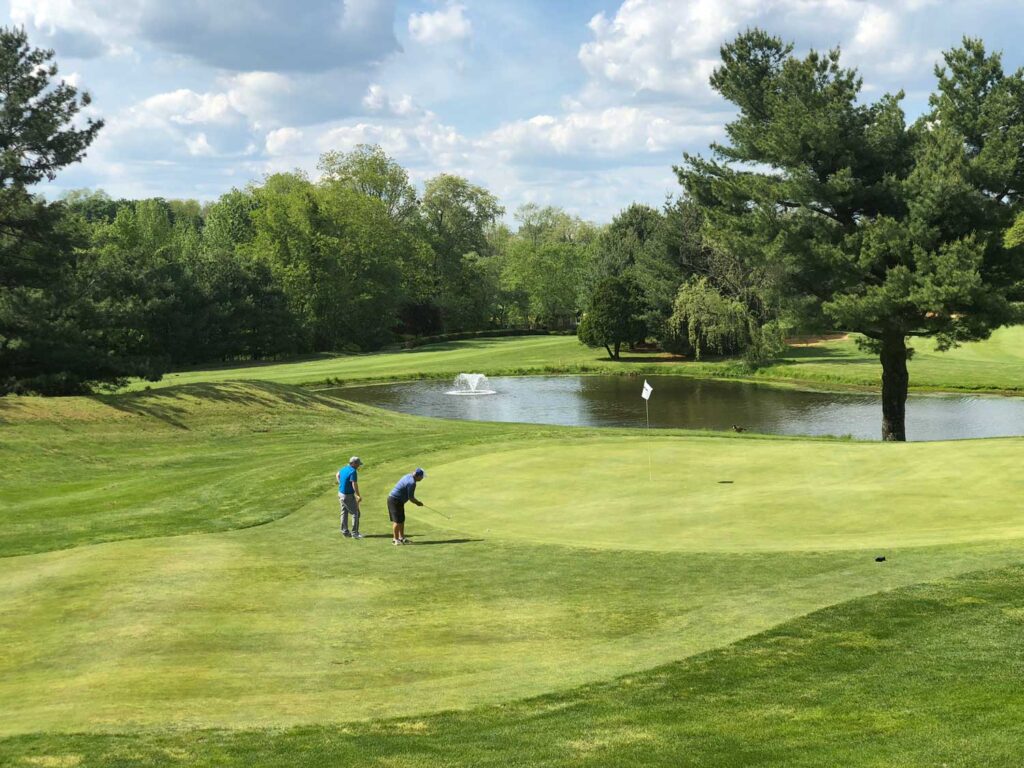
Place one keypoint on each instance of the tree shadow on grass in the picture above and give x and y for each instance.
(172, 404)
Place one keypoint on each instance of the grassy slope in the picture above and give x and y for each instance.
(178, 461)
(924, 676)
(996, 365)
(286, 623)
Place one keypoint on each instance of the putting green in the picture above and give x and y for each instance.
(715, 495)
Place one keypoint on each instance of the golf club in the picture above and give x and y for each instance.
(442, 514)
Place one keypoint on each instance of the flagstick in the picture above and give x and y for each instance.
(650, 461)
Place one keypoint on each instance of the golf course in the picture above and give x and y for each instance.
(174, 590)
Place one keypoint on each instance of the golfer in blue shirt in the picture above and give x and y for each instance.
(348, 496)
(404, 490)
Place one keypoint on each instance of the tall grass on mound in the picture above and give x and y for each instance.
(927, 675)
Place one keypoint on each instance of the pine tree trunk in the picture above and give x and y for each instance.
(894, 387)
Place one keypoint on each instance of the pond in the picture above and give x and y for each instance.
(614, 401)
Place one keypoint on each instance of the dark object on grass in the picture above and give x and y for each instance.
(725, 482)
(738, 428)
(880, 559)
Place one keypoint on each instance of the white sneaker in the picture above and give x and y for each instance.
(357, 535)
(397, 541)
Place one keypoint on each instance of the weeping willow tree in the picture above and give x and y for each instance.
(707, 320)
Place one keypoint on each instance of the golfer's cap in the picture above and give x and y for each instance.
(419, 472)
(356, 460)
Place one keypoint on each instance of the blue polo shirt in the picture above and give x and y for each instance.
(405, 489)
(346, 476)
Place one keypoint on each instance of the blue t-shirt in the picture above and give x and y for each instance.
(346, 476)
(405, 489)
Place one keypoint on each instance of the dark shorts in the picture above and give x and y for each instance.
(396, 510)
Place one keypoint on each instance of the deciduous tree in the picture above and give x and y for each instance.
(457, 216)
(614, 317)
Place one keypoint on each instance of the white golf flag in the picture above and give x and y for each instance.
(646, 395)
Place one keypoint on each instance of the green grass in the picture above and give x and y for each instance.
(995, 365)
(706, 495)
(927, 675)
(204, 459)
(595, 597)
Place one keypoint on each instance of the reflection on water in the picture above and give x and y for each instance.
(614, 401)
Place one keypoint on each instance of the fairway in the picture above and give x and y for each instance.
(706, 495)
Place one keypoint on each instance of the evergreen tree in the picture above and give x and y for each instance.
(52, 339)
(859, 220)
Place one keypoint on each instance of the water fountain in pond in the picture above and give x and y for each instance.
(471, 384)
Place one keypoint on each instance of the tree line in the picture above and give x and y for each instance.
(821, 210)
(350, 262)
(94, 290)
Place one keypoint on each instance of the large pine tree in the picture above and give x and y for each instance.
(874, 226)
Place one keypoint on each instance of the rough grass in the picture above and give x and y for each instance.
(995, 365)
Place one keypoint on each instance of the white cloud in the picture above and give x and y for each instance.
(175, 127)
(618, 132)
(79, 29)
(424, 141)
(661, 47)
(669, 48)
(279, 35)
(185, 107)
(260, 95)
(265, 100)
(378, 101)
(440, 26)
(877, 29)
(285, 141)
(198, 146)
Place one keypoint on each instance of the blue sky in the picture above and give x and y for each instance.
(578, 103)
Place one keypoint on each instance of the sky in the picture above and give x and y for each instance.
(583, 104)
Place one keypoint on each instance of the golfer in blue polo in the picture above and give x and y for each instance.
(404, 490)
(348, 497)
